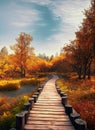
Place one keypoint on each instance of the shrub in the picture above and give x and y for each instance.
(32, 81)
(9, 108)
(9, 85)
(87, 112)
(7, 121)
(81, 95)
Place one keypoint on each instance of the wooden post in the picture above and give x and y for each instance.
(80, 124)
(62, 94)
(26, 114)
(74, 116)
(56, 84)
(43, 84)
(59, 91)
(35, 98)
(37, 93)
(31, 101)
(27, 106)
(39, 90)
(57, 87)
(68, 109)
(20, 121)
(64, 100)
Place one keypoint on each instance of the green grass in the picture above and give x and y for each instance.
(8, 111)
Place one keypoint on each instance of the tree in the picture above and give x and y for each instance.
(22, 52)
(3, 62)
(89, 22)
(44, 57)
(84, 42)
(73, 53)
(4, 51)
(86, 37)
(83, 49)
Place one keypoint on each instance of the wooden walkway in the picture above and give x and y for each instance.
(48, 113)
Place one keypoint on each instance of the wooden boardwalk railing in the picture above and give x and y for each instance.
(48, 113)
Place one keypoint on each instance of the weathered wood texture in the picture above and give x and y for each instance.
(48, 113)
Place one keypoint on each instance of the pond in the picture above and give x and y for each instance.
(25, 89)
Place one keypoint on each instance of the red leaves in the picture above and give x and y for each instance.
(87, 112)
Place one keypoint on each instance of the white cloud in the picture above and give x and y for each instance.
(69, 13)
(26, 17)
(18, 24)
(40, 2)
(48, 48)
(71, 16)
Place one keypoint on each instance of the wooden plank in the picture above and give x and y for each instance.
(52, 99)
(41, 101)
(47, 127)
(53, 104)
(48, 109)
(49, 119)
(48, 113)
(48, 98)
(62, 123)
(47, 104)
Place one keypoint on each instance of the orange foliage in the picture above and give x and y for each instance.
(87, 112)
(81, 95)
(60, 64)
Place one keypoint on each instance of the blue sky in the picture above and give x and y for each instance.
(51, 23)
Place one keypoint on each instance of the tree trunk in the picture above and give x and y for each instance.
(79, 73)
(24, 73)
(94, 47)
(84, 71)
(89, 71)
(21, 71)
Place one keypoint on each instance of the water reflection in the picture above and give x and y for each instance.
(15, 93)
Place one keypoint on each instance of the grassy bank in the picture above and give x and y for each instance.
(7, 85)
(81, 94)
(8, 109)
(14, 84)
